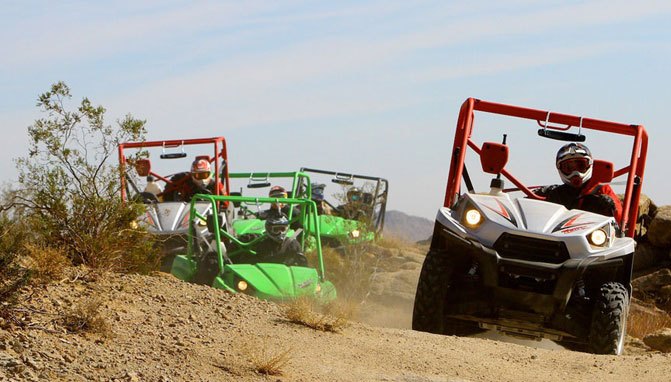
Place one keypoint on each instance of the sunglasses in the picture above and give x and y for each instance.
(569, 166)
(201, 175)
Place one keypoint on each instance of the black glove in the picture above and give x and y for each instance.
(600, 204)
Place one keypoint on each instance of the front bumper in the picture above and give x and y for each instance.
(528, 296)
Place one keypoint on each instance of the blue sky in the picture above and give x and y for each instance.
(371, 87)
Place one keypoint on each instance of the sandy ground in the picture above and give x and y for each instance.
(162, 329)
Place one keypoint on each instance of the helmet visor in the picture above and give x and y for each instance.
(201, 175)
(569, 166)
(277, 230)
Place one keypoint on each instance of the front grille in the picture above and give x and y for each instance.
(531, 249)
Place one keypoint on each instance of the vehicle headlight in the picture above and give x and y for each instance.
(472, 217)
(598, 237)
(242, 285)
(355, 234)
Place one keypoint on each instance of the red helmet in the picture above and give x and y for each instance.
(277, 192)
(200, 170)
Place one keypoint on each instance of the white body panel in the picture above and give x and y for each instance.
(537, 219)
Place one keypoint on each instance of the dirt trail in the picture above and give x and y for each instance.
(167, 330)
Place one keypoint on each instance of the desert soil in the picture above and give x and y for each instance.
(163, 329)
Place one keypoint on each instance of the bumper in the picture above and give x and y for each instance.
(532, 296)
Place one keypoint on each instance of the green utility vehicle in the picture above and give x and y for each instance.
(231, 260)
(352, 213)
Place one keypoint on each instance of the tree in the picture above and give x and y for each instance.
(70, 183)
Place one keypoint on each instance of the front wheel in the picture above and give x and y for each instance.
(609, 320)
(433, 291)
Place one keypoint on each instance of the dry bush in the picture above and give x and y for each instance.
(13, 276)
(265, 361)
(46, 263)
(303, 311)
(640, 324)
(391, 242)
(86, 317)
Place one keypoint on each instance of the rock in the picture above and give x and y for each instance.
(659, 340)
(659, 232)
(652, 284)
(647, 256)
(646, 210)
(665, 292)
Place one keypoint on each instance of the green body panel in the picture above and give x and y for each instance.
(249, 226)
(183, 267)
(341, 229)
(276, 281)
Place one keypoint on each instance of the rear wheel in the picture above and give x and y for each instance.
(609, 320)
(433, 290)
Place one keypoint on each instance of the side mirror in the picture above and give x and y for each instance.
(493, 157)
(235, 193)
(258, 185)
(210, 222)
(602, 171)
(346, 182)
(143, 167)
(561, 135)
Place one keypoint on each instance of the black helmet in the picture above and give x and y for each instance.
(574, 163)
(276, 227)
(354, 194)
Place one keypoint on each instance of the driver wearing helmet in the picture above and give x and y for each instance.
(574, 163)
(353, 208)
(323, 208)
(281, 209)
(276, 247)
(198, 180)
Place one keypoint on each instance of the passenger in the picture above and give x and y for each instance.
(281, 209)
(574, 163)
(323, 208)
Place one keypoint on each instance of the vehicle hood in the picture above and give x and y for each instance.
(536, 216)
(532, 218)
(276, 281)
(170, 217)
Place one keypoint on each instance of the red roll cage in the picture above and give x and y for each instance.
(634, 170)
(219, 152)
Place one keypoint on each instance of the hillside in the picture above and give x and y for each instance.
(407, 227)
(162, 329)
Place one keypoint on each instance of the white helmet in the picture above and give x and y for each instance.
(574, 163)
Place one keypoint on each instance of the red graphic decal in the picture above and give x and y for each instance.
(501, 211)
(569, 225)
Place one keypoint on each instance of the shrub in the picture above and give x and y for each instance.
(265, 361)
(70, 183)
(641, 323)
(12, 276)
(86, 317)
(46, 263)
(302, 311)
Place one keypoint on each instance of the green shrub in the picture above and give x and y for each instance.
(69, 186)
(12, 276)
